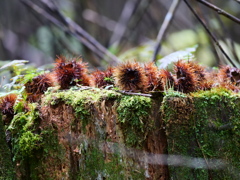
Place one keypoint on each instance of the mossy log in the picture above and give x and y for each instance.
(102, 134)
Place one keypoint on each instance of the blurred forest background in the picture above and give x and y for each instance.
(38, 30)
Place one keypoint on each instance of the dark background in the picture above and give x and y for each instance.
(25, 34)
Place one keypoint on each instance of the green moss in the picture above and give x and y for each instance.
(133, 114)
(81, 101)
(217, 128)
(23, 128)
(209, 130)
(95, 164)
(29, 142)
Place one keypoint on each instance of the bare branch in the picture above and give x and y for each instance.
(136, 94)
(220, 11)
(71, 27)
(121, 25)
(164, 27)
(209, 32)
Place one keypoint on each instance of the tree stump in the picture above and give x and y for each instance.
(102, 134)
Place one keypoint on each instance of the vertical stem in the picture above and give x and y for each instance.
(164, 27)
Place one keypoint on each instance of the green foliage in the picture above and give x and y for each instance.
(21, 73)
(133, 114)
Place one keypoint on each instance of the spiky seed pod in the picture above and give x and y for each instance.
(103, 78)
(109, 76)
(80, 73)
(153, 78)
(224, 74)
(229, 86)
(235, 76)
(167, 79)
(229, 78)
(187, 80)
(63, 72)
(198, 70)
(109, 72)
(70, 73)
(38, 86)
(6, 106)
(202, 82)
(130, 76)
(230, 74)
(98, 78)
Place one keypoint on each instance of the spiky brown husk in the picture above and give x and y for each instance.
(229, 74)
(197, 69)
(229, 77)
(207, 82)
(130, 76)
(186, 79)
(153, 78)
(167, 79)
(203, 83)
(6, 106)
(70, 73)
(38, 86)
(103, 78)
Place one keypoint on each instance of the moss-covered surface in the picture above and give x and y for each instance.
(134, 116)
(97, 115)
(81, 101)
(204, 125)
(98, 134)
(95, 164)
(6, 165)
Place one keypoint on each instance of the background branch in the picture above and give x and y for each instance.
(209, 32)
(164, 27)
(220, 11)
(71, 27)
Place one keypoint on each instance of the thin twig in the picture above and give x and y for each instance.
(164, 27)
(78, 29)
(99, 19)
(219, 60)
(121, 26)
(71, 27)
(135, 20)
(59, 24)
(228, 35)
(136, 94)
(209, 32)
(220, 11)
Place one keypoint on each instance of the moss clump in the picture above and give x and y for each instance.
(29, 142)
(210, 131)
(24, 132)
(134, 116)
(81, 100)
